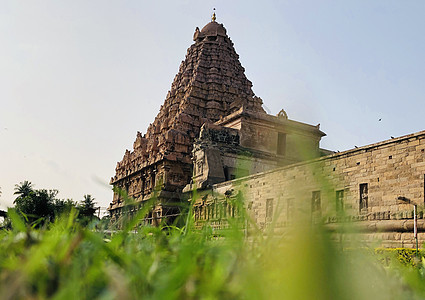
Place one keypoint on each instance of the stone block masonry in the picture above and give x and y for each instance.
(374, 186)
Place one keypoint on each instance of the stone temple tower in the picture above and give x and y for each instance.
(209, 85)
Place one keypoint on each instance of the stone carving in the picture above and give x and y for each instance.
(282, 114)
(210, 84)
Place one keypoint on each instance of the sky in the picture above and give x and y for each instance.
(79, 78)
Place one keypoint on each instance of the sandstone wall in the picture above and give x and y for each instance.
(370, 184)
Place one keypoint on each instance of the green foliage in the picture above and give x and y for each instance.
(86, 207)
(23, 189)
(63, 206)
(86, 210)
(403, 255)
(67, 260)
(70, 260)
(40, 207)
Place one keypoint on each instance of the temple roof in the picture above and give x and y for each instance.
(210, 84)
(211, 29)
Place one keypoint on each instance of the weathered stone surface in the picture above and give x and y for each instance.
(246, 142)
(211, 130)
(210, 84)
(392, 191)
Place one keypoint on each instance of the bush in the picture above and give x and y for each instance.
(403, 255)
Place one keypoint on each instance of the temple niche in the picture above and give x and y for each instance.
(210, 128)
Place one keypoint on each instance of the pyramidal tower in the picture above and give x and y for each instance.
(209, 85)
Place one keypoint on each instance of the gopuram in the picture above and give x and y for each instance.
(212, 99)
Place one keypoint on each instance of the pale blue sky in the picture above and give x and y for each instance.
(78, 79)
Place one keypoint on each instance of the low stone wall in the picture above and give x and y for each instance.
(375, 186)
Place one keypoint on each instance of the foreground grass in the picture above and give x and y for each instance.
(66, 261)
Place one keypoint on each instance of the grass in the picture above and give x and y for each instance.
(67, 261)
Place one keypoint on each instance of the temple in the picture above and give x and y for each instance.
(212, 136)
(210, 129)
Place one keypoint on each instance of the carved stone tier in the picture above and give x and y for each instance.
(210, 84)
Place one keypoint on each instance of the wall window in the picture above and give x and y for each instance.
(339, 201)
(364, 197)
(269, 210)
(281, 143)
(316, 204)
(226, 173)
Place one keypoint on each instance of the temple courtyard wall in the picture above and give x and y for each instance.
(373, 188)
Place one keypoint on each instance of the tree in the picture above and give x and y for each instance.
(36, 205)
(23, 189)
(86, 208)
(42, 206)
(63, 206)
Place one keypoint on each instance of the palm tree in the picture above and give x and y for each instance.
(23, 189)
(87, 208)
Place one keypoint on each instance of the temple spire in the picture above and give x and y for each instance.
(213, 18)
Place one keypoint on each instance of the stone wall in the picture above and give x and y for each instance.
(371, 185)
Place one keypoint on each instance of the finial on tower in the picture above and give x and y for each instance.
(213, 18)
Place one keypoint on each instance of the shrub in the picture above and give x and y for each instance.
(405, 256)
